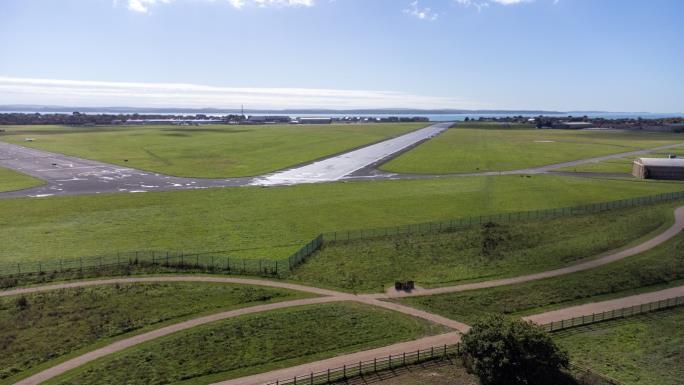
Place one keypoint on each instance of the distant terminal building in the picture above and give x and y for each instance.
(179, 122)
(267, 119)
(659, 168)
(572, 125)
(314, 120)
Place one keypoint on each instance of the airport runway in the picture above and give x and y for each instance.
(338, 167)
(67, 175)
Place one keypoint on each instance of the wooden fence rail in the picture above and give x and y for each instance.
(613, 314)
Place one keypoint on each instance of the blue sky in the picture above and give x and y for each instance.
(616, 55)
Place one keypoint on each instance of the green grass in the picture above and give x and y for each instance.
(253, 344)
(621, 165)
(641, 350)
(274, 222)
(55, 324)
(438, 373)
(205, 151)
(516, 248)
(658, 268)
(11, 180)
(469, 148)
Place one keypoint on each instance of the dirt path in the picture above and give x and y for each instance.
(173, 278)
(600, 307)
(327, 296)
(332, 296)
(611, 257)
(347, 359)
(154, 334)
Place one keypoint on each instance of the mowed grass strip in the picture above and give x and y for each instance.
(481, 252)
(38, 328)
(622, 165)
(275, 222)
(205, 151)
(660, 267)
(641, 350)
(470, 147)
(253, 344)
(11, 180)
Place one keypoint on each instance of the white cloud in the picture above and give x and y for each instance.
(480, 4)
(143, 6)
(423, 13)
(99, 93)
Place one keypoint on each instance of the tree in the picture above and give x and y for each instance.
(501, 351)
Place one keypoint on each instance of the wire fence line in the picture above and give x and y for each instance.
(210, 261)
(221, 261)
(454, 224)
(614, 314)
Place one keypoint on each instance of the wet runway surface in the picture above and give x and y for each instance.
(338, 167)
(67, 175)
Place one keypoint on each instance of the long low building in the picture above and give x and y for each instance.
(659, 168)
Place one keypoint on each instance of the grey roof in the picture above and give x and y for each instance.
(662, 162)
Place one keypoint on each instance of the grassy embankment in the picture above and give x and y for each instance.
(655, 269)
(253, 344)
(471, 147)
(274, 222)
(479, 252)
(205, 151)
(12, 180)
(38, 330)
(641, 350)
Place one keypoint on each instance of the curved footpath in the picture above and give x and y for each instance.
(611, 257)
(372, 300)
(604, 306)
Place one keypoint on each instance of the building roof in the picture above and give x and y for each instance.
(662, 162)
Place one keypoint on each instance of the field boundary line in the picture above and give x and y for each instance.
(596, 312)
(220, 261)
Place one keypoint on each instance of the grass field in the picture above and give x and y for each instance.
(253, 344)
(11, 180)
(274, 222)
(478, 252)
(641, 350)
(50, 325)
(205, 151)
(653, 270)
(622, 165)
(468, 148)
(426, 374)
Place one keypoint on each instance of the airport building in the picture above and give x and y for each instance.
(659, 168)
(315, 120)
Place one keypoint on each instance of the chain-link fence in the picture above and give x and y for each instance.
(454, 224)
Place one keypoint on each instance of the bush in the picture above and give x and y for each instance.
(501, 351)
